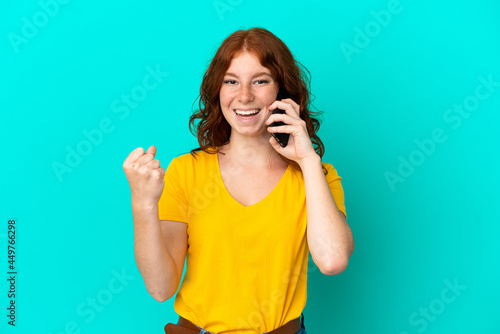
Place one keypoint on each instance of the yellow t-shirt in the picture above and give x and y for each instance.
(246, 268)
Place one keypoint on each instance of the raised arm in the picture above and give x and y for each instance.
(159, 246)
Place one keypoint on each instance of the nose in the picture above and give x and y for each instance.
(245, 94)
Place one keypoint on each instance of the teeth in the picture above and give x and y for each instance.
(249, 112)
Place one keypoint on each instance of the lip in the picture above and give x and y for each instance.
(245, 109)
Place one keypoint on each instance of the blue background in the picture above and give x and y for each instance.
(65, 68)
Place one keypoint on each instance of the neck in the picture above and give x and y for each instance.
(252, 151)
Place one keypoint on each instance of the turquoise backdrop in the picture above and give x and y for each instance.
(411, 94)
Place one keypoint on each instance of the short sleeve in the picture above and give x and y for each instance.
(173, 204)
(336, 188)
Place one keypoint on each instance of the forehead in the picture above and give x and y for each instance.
(245, 63)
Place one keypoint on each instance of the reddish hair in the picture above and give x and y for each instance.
(213, 130)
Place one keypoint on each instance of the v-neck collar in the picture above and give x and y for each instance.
(234, 201)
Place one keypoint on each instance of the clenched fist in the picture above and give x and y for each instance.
(145, 176)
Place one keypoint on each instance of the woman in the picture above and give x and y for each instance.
(236, 206)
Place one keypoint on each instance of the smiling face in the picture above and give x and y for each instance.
(247, 90)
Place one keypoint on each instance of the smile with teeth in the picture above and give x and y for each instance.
(247, 112)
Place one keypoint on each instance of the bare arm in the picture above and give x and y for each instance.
(159, 246)
(160, 249)
(328, 234)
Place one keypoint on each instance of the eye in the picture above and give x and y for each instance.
(263, 81)
(231, 82)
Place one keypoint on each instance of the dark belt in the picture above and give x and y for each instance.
(291, 327)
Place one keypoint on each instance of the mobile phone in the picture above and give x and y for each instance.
(281, 138)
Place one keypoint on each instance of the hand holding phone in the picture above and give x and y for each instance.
(281, 138)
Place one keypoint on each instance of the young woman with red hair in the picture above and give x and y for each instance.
(243, 210)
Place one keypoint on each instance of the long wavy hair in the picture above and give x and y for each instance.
(208, 123)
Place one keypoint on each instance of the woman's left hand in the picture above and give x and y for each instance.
(299, 145)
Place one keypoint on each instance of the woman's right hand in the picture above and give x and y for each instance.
(144, 175)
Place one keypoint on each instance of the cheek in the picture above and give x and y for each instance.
(271, 93)
(225, 97)
(269, 97)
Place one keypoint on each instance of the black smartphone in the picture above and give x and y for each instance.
(281, 138)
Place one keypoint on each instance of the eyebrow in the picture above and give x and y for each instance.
(256, 75)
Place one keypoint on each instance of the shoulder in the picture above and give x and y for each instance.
(187, 162)
(184, 158)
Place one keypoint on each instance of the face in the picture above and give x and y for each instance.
(247, 90)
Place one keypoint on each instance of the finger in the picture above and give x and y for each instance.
(287, 119)
(152, 150)
(275, 144)
(147, 157)
(154, 164)
(159, 173)
(278, 104)
(133, 156)
(292, 102)
(289, 106)
(282, 129)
